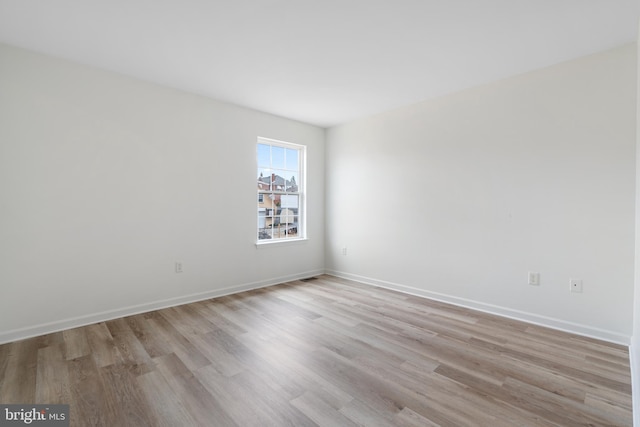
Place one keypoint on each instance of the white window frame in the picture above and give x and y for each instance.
(301, 193)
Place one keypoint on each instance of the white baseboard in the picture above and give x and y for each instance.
(74, 322)
(62, 324)
(536, 319)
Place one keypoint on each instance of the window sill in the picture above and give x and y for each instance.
(264, 244)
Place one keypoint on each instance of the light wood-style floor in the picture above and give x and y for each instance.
(326, 352)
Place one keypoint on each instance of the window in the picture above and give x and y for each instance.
(280, 190)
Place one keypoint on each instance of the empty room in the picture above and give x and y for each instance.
(329, 213)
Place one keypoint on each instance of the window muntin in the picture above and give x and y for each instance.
(280, 190)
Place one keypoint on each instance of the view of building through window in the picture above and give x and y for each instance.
(280, 190)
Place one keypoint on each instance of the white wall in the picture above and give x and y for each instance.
(105, 181)
(458, 198)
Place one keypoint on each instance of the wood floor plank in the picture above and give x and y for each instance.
(19, 379)
(323, 309)
(408, 418)
(130, 348)
(363, 415)
(52, 376)
(610, 406)
(187, 321)
(191, 394)
(125, 400)
(320, 412)
(162, 401)
(244, 406)
(230, 397)
(102, 346)
(50, 339)
(146, 335)
(273, 406)
(87, 392)
(214, 313)
(256, 362)
(564, 410)
(180, 345)
(4, 361)
(222, 360)
(328, 351)
(76, 344)
(291, 361)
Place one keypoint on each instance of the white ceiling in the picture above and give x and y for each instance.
(323, 62)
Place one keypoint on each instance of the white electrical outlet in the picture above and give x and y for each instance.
(178, 266)
(575, 285)
(534, 279)
(344, 250)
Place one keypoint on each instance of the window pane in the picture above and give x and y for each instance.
(292, 182)
(287, 220)
(266, 201)
(288, 224)
(291, 159)
(264, 155)
(277, 157)
(262, 171)
(266, 224)
(289, 201)
(279, 182)
(264, 233)
(264, 179)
